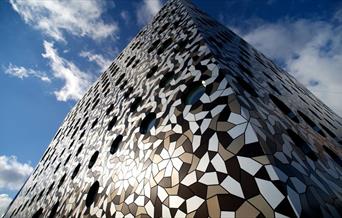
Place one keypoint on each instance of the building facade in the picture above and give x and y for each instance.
(190, 121)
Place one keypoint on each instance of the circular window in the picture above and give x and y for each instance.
(167, 78)
(77, 168)
(282, 106)
(93, 159)
(299, 142)
(112, 123)
(147, 123)
(54, 210)
(333, 155)
(311, 123)
(193, 93)
(135, 103)
(115, 145)
(152, 71)
(246, 86)
(92, 193)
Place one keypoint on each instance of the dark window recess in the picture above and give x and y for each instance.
(67, 160)
(328, 131)
(74, 173)
(93, 159)
(181, 46)
(154, 46)
(120, 79)
(274, 88)
(167, 78)
(79, 150)
(135, 103)
(333, 155)
(53, 210)
(95, 104)
(245, 70)
(94, 123)
(246, 86)
(147, 123)
(112, 123)
(38, 213)
(109, 109)
(71, 144)
(50, 188)
(61, 181)
(40, 195)
(115, 144)
(57, 168)
(84, 122)
(152, 71)
(82, 134)
(163, 28)
(193, 93)
(164, 46)
(92, 193)
(123, 85)
(311, 123)
(128, 92)
(282, 106)
(299, 142)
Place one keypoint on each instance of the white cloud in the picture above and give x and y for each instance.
(22, 72)
(125, 16)
(13, 173)
(80, 18)
(147, 9)
(100, 60)
(311, 50)
(5, 200)
(76, 81)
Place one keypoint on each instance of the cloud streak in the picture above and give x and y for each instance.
(146, 10)
(13, 173)
(100, 60)
(5, 200)
(311, 50)
(22, 72)
(76, 81)
(56, 17)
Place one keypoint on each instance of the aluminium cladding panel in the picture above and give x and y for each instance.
(190, 120)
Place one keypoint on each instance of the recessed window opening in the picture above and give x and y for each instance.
(112, 123)
(61, 181)
(246, 86)
(84, 122)
(328, 131)
(92, 193)
(193, 93)
(120, 79)
(245, 70)
(311, 123)
(115, 144)
(274, 88)
(135, 103)
(93, 159)
(67, 160)
(152, 71)
(74, 173)
(38, 213)
(50, 188)
(94, 123)
(54, 210)
(154, 46)
(282, 106)
(147, 123)
(109, 109)
(79, 150)
(128, 92)
(122, 86)
(82, 134)
(333, 155)
(167, 78)
(299, 142)
(164, 46)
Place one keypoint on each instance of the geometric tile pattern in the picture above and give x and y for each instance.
(190, 121)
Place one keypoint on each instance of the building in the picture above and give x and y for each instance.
(190, 120)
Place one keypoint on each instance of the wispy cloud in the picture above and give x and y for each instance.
(311, 50)
(13, 173)
(100, 60)
(5, 200)
(125, 16)
(22, 72)
(146, 10)
(76, 81)
(79, 18)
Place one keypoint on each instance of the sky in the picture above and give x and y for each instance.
(52, 51)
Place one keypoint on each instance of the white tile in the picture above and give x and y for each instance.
(203, 163)
(209, 179)
(219, 164)
(249, 165)
(237, 130)
(213, 143)
(232, 186)
(236, 119)
(272, 195)
(189, 179)
(193, 203)
(175, 201)
(250, 136)
(227, 214)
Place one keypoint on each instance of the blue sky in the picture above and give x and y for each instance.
(51, 51)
